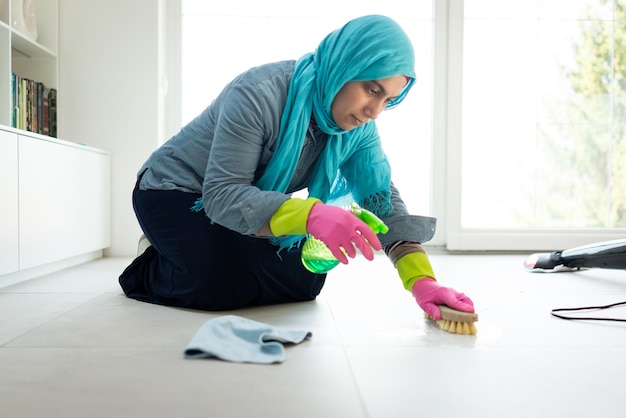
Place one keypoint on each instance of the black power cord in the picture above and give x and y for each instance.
(588, 308)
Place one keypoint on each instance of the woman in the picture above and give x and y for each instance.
(215, 200)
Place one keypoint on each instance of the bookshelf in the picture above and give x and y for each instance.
(29, 58)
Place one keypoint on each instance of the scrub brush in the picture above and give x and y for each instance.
(456, 322)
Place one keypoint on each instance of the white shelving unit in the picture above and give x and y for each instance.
(55, 194)
(35, 59)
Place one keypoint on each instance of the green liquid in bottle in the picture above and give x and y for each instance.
(316, 256)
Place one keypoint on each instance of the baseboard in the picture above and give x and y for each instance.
(31, 273)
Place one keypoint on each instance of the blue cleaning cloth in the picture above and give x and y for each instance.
(237, 339)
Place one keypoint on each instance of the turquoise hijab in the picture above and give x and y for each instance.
(353, 162)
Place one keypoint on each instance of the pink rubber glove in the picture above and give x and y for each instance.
(428, 294)
(338, 228)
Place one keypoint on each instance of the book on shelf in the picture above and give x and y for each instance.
(34, 106)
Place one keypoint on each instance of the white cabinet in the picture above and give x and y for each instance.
(64, 200)
(56, 201)
(8, 203)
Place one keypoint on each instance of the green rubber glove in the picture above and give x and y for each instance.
(412, 267)
(290, 218)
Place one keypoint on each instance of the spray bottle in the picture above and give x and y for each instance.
(316, 256)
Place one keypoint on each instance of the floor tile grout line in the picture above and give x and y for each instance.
(52, 318)
(347, 358)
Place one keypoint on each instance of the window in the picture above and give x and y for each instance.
(542, 130)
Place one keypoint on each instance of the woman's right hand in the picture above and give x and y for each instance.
(341, 229)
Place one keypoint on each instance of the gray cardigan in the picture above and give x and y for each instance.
(222, 152)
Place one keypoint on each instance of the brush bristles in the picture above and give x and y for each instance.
(456, 327)
(455, 322)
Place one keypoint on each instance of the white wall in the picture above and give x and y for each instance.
(109, 93)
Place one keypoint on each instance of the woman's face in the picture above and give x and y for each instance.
(360, 101)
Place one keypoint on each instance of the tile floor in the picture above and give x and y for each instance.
(72, 345)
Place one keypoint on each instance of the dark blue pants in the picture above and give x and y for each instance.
(195, 263)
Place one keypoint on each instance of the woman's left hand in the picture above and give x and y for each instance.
(429, 295)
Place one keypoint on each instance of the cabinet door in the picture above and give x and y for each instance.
(8, 203)
(65, 203)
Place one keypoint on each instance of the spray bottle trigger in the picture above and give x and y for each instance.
(373, 221)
